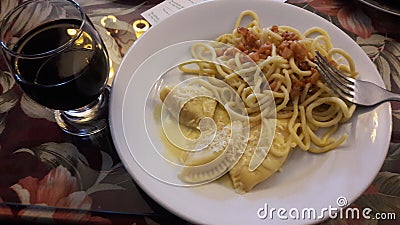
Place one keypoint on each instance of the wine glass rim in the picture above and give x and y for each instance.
(47, 53)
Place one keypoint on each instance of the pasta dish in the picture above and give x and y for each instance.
(254, 94)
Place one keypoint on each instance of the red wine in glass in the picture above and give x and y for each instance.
(60, 61)
(65, 81)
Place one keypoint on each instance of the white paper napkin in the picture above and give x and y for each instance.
(163, 10)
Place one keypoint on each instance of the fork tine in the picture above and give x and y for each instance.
(338, 74)
(342, 89)
(335, 86)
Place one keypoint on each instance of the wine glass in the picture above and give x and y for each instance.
(60, 61)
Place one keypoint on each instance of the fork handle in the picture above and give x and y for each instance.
(376, 96)
(391, 96)
(385, 95)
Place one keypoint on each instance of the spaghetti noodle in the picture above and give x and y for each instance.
(286, 58)
(262, 65)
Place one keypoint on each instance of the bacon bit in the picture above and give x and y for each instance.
(284, 44)
(315, 76)
(265, 49)
(249, 38)
(288, 48)
(297, 87)
(252, 46)
(303, 65)
(254, 56)
(299, 50)
(243, 30)
(275, 28)
(287, 53)
(289, 36)
(281, 47)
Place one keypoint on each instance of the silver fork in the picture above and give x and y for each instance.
(355, 91)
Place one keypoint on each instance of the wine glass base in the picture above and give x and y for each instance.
(87, 120)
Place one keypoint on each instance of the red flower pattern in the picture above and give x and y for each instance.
(59, 189)
(350, 16)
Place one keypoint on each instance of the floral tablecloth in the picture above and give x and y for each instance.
(48, 176)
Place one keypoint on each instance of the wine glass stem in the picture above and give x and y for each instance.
(86, 120)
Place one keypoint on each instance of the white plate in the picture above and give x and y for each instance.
(306, 181)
